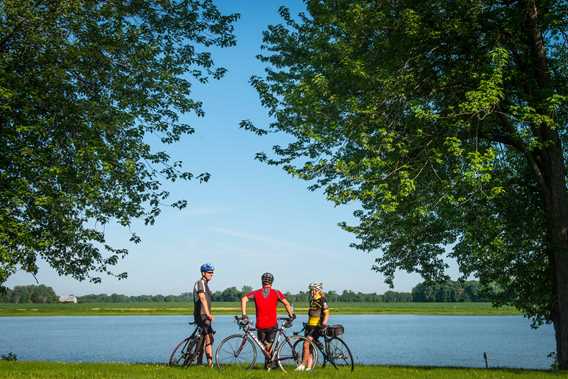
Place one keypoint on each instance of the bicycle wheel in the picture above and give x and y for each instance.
(184, 352)
(339, 355)
(291, 353)
(236, 350)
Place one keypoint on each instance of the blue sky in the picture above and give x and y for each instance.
(249, 218)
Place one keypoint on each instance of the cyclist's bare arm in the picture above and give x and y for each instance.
(244, 301)
(288, 307)
(203, 300)
(325, 317)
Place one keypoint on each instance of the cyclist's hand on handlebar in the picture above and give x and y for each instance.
(293, 316)
(244, 320)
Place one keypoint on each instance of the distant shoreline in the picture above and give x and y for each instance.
(233, 308)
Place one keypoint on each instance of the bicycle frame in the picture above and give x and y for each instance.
(322, 347)
(248, 333)
(198, 334)
(242, 348)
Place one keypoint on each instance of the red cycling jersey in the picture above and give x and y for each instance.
(266, 301)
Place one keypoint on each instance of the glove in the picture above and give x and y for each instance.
(244, 320)
(293, 317)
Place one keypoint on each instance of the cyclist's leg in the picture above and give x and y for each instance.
(206, 346)
(209, 348)
(208, 334)
(261, 334)
(308, 358)
(266, 337)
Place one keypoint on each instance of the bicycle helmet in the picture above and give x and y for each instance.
(207, 267)
(267, 278)
(316, 286)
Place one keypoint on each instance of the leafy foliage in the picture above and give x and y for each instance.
(40, 294)
(84, 87)
(431, 117)
(451, 291)
(9, 357)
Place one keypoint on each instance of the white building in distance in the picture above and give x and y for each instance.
(68, 299)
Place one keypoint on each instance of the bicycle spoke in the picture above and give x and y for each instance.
(236, 351)
(339, 355)
(181, 356)
(291, 353)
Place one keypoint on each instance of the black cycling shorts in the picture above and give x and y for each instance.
(204, 323)
(313, 331)
(266, 335)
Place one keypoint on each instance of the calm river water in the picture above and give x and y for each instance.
(374, 339)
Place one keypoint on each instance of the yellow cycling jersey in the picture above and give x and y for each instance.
(318, 308)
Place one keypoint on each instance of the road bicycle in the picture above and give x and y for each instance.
(333, 349)
(240, 350)
(190, 350)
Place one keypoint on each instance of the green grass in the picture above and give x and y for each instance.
(118, 309)
(117, 370)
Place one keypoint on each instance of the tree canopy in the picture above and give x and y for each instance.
(83, 86)
(445, 122)
(28, 294)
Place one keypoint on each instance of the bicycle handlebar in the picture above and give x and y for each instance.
(243, 322)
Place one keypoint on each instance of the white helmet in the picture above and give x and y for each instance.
(316, 286)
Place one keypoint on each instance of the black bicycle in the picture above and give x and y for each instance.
(334, 350)
(190, 350)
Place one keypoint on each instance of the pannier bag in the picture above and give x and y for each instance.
(334, 330)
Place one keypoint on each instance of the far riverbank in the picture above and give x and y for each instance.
(233, 308)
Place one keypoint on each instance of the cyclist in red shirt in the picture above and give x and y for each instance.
(266, 301)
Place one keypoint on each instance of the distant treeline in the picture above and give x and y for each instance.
(451, 291)
(228, 294)
(234, 294)
(28, 294)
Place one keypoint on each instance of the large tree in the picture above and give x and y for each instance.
(85, 86)
(445, 123)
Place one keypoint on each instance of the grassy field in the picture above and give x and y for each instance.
(110, 370)
(114, 309)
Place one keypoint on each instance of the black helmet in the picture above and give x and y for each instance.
(267, 278)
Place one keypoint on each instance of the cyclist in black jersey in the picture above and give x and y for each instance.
(318, 317)
(202, 308)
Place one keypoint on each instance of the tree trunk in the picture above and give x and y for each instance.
(550, 170)
(556, 213)
(557, 217)
(560, 307)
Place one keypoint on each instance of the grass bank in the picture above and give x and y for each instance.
(117, 370)
(219, 308)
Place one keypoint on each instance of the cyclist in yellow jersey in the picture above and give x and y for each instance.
(318, 316)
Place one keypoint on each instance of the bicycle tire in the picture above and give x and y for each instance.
(236, 350)
(339, 355)
(290, 353)
(183, 353)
